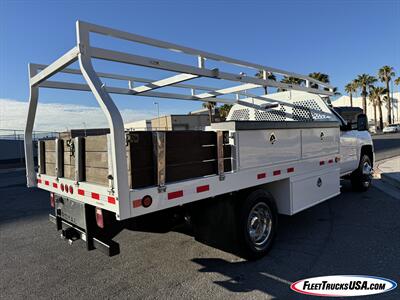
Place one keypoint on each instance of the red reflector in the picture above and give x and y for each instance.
(62, 187)
(99, 217)
(71, 189)
(174, 195)
(290, 170)
(330, 161)
(81, 192)
(261, 175)
(321, 163)
(202, 188)
(39, 181)
(277, 172)
(137, 203)
(52, 200)
(96, 196)
(55, 185)
(147, 201)
(47, 182)
(111, 200)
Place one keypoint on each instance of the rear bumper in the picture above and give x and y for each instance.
(73, 233)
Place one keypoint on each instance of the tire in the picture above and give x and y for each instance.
(361, 178)
(258, 222)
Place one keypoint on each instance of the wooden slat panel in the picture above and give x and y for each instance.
(96, 143)
(185, 138)
(190, 153)
(69, 171)
(50, 157)
(190, 170)
(96, 159)
(50, 145)
(97, 175)
(69, 159)
(184, 157)
(50, 169)
(141, 159)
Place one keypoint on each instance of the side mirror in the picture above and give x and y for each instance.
(362, 122)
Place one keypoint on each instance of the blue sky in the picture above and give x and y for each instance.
(340, 38)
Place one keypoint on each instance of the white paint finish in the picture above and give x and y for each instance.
(162, 83)
(255, 148)
(319, 140)
(280, 190)
(30, 121)
(254, 152)
(348, 151)
(306, 192)
(115, 122)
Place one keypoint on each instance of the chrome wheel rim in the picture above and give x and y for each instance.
(366, 169)
(259, 224)
(367, 173)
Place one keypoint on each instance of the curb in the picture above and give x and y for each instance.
(390, 180)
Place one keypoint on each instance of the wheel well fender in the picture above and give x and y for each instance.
(367, 150)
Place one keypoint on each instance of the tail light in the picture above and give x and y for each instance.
(146, 201)
(71, 189)
(99, 218)
(52, 200)
(62, 187)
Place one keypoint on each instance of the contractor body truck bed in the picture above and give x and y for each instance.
(280, 151)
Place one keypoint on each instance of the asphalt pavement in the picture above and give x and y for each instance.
(353, 233)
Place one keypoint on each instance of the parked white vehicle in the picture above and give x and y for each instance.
(276, 154)
(392, 128)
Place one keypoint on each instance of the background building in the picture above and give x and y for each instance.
(172, 122)
(357, 101)
(144, 125)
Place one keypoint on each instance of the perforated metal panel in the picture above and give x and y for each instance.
(271, 115)
(282, 107)
(241, 115)
(307, 110)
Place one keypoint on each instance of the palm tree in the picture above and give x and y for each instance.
(363, 81)
(375, 94)
(320, 77)
(270, 76)
(209, 105)
(291, 80)
(397, 82)
(385, 74)
(224, 110)
(351, 88)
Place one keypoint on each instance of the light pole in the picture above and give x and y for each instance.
(84, 128)
(158, 112)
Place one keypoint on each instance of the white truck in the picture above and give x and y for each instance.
(277, 153)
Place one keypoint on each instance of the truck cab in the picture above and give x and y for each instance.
(355, 143)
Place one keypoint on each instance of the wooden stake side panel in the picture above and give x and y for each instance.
(189, 154)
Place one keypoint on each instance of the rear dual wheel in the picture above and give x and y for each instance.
(257, 224)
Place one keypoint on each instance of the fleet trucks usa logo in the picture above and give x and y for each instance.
(343, 285)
